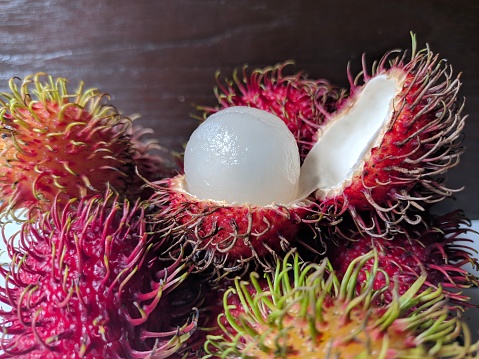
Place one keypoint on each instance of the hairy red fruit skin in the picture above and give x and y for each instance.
(221, 235)
(86, 282)
(382, 172)
(422, 141)
(435, 247)
(57, 145)
(302, 103)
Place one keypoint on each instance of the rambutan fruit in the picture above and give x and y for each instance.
(302, 103)
(57, 144)
(435, 248)
(307, 312)
(237, 202)
(85, 281)
(388, 146)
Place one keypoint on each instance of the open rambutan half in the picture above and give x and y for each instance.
(389, 144)
(305, 311)
(236, 204)
(436, 248)
(302, 103)
(57, 144)
(85, 282)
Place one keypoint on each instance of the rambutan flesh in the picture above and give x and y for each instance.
(436, 248)
(388, 146)
(302, 103)
(237, 202)
(85, 282)
(307, 312)
(55, 141)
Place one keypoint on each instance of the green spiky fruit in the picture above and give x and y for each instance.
(307, 312)
(57, 145)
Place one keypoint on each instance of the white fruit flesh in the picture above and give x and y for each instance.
(348, 138)
(243, 155)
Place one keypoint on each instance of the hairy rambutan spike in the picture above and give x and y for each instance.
(437, 248)
(306, 311)
(302, 103)
(415, 119)
(56, 141)
(85, 282)
(220, 238)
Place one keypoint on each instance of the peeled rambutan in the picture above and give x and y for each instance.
(236, 203)
(388, 146)
(58, 145)
(302, 103)
(85, 281)
(307, 312)
(436, 248)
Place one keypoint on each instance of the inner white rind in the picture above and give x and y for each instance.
(348, 137)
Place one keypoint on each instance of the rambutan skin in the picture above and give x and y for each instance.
(302, 103)
(85, 282)
(305, 311)
(435, 247)
(59, 145)
(419, 144)
(224, 237)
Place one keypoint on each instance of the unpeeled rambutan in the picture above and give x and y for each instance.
(307, 312)
(435, 248)
(388, 146)
(302, 103)
(85, 282)
(58, 145)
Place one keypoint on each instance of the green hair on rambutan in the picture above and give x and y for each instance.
(58, 144)
(304, 311)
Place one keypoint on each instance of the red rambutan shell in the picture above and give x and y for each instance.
(57, 145)
(86, 282)
(302, 103)
(225, 236)
(436, 247)
(403, 164)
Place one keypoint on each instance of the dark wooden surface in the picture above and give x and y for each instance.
(158, 58)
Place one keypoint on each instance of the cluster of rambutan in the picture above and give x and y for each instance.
(85, 278)
(301, 224)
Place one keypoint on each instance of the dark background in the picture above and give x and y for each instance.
(158, 58)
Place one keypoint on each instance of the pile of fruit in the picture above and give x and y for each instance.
(298, 223)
